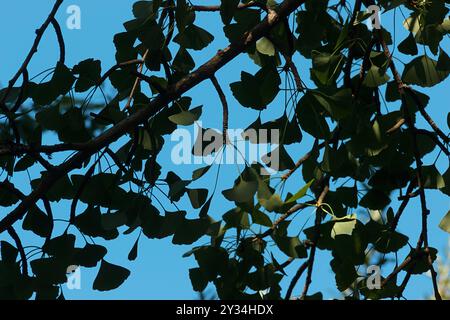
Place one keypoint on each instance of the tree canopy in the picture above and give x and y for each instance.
(360, 114)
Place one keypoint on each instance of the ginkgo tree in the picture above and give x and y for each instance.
(104, 163)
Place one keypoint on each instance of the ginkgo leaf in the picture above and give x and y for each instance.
(300, 193)
(344, 226)
(110, 276)
(186, 118)
(445, 223)
(243, 191)
(265, 46)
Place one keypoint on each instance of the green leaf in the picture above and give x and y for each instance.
(100, 190)
(183, 61)
(73, 127)
(422, 264)
(194, 37)
(375, 77)
(8, 252)
(89, 72)
(189, 231)
(60, 84)
(37, 222)
(345, 273)
(198, 279)
(257, 91)
(184, 15)
(445, 223)
(197, 197)
(344, 225)
(422, 71)
(61, 246)
(291, 246)
(243, 191)
(198, 173)
(90, 223)
(326, 68)
(145, 9)
(7, 198)
(227, 10)
(278, 159)
(212, 261)
(446, 177)
(300, 193)
(259, 133)
(432, 179)
(236, 218)
(177, 187)
(375, 199)
(337, 104)
(245, 20)
(132, 255)
(311, 117)
(186, 118)
(348, 196)
(443, 63)
(272, 203)
(408, 46)
(260, 218)
(265, 46)
(90, 255)
(50, 270)
(151, 36)
(23, 164)
(110, 276)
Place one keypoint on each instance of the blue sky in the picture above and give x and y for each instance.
(160, 272)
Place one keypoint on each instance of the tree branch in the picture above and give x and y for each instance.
(317, 222)
(59, 36)
(224, 102)
(348, 66)
(214, 8)
(303, 159)
(295, 279)
(23, 256)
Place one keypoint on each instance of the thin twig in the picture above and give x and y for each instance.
(316, 235)
(60, 38)
(413, 133)
(224, 102)
(19, 245)
(33, 50)
(295, 279)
